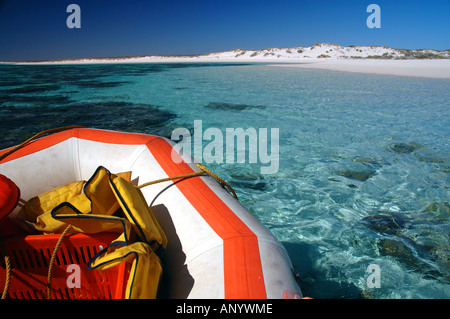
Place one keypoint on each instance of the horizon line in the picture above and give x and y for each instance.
(217, 52)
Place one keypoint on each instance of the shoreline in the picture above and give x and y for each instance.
(438, 69)
(428, 68)
(376, 59)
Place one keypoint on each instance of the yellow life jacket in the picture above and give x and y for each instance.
(94, 206)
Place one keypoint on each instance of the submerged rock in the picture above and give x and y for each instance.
(120, 115)
(230, 106)
(385, 223)
(356, 175)
(430, 159)
(11, 82)
(408, 255)
(33, 89)
(36, 100)
(110, 115)
(373, 163)
(98, 84)
(440, 209)
(259, 185)
(415, 240)
(356, 170)
(404, 148)
(251, 181)
(390, 247)
(442, 257)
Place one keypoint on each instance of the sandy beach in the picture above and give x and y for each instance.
(417, 68)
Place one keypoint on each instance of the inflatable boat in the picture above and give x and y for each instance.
(215, 247)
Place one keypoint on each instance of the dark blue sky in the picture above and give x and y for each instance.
(37, 30)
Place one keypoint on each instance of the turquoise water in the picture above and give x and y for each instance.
(364, 160)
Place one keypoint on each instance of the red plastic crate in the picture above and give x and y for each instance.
(30, 256)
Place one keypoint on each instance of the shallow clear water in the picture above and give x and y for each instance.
(364, 165)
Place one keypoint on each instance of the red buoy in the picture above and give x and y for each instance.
(9, 196)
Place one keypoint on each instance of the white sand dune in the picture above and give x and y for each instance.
(362, 59)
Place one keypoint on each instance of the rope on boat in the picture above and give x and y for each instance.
(21, 145)
(203, 171)
(52, 260)
(8, 268)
